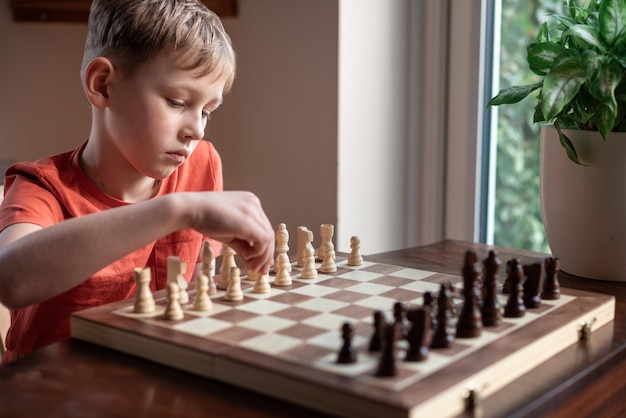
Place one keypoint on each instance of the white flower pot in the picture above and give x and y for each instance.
(584, 207)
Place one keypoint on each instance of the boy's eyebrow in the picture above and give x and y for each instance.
(184, 86)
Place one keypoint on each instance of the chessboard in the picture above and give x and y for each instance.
(285, 343)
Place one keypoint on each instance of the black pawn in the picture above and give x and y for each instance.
(418, 334)
(551, 287)
(387, 362)
(514, 307)
(376, 341)
(470, 322)
(346, 354)
(443, 337)
(532, 285)
(490, 309)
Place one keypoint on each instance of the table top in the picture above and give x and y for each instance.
(74, 378)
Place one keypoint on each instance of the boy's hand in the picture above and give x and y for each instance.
(237, 219)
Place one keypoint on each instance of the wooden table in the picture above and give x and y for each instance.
(77, 379)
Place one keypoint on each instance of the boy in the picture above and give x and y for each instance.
(143, 186)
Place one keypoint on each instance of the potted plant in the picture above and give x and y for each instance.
(579, 58)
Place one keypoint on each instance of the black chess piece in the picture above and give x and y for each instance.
(551, 287)
(428, 302)
(469, 324)
(506, 286)
(490, 309)
(418, 334)
(514, 307)
(443, 337)
(532, 285)
(387, 362)
(399, 323)
(379, 324)
(347, 354)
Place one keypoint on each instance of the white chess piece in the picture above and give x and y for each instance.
(328, 265)
(283, 277)
(305, 236)
(208, 265)
(228, 262)
(233, 291)
(309, 271)
(355, 258)
(326, 231)
(282, 245)
(203, 301)
(261, 284)
(173, 310)
(176, 273)
(144, 300)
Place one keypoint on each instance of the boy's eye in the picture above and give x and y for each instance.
(175, 103)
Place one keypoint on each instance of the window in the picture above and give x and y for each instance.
(511, 206)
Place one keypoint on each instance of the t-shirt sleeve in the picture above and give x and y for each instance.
(26, 201)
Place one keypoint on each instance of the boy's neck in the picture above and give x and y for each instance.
(113, 181)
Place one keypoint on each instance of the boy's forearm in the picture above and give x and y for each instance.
(52, 260)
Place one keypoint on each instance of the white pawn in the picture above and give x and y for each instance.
(261, 284)
(309, 271)
(144, 300)
(355, 259)
(203, 301)
(173, 310)
(228, 262)
(328, 265)
(233, 291)
(283, 278)
(208, 265)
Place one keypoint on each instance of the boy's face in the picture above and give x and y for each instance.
(157, 115)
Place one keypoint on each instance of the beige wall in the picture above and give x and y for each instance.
(278, 130)
(43, 110)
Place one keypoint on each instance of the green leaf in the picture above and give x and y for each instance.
(603, 84)
(562, 83)
(538, 116)
(512, 94)
(605, 119)
(567, 144)
(612, 20)
(587, 34)
(566, 21)
(571, 8)
(592, 62)
(541, 56)
(544, 33)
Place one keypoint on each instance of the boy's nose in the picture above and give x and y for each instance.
(194, 127)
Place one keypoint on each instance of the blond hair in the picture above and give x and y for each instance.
(132, 32)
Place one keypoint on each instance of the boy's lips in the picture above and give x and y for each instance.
(179, 155)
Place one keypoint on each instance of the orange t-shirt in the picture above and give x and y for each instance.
(54, 189)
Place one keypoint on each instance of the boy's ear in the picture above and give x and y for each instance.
(98, 76)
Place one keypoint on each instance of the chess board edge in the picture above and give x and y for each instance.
(523, 350)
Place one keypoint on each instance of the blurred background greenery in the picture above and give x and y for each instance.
(518, 221)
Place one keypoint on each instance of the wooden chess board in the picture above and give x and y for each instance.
(285, 343)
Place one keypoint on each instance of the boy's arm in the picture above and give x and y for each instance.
(39, 263)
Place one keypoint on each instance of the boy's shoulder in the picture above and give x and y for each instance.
(44, 167)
